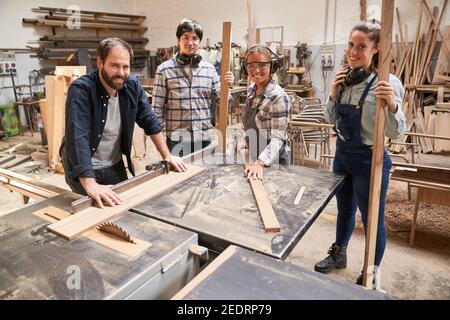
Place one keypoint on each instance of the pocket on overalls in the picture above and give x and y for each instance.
(344, 127)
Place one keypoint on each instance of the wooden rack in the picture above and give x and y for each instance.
(413, 65)
(63, 46)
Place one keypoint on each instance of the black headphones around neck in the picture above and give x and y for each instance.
(355, 75)
(185, 60)
(274, 59)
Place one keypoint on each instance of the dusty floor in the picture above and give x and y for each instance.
(421, 272)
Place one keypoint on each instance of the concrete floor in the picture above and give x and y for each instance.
(407, 273)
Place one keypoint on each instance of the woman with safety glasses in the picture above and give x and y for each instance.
(265, 116)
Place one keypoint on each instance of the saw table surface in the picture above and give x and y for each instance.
(37, 264)
(219, 205)
(240, 274)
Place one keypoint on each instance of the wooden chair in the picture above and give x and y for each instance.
(308, 127)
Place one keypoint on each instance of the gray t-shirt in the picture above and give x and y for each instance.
(108, 152)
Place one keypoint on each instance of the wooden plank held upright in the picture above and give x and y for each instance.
(387, 17)
(224, 88)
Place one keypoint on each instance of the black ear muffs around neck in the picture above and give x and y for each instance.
(185, 60)
(355, 76)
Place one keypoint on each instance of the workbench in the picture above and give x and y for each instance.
(218, 204)
(37, 264)
(240, 274)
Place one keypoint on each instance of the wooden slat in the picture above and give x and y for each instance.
(265, 208)
(71, 227)
(86, 12)
(387, 17)
(299, 196)
(362, 10)
(251, 39)
(92, 25)
(436, 25)
(35, 184)
(442, 121)
(443, 59)
(414, 134)
(224, 88)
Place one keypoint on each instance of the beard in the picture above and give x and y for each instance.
(110, 80)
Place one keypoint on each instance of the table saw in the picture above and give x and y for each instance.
(219, 205)
(37, 264)
(214, 209)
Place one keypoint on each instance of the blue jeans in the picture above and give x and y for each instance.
(355, 164)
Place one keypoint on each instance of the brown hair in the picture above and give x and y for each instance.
(372, 28)
(258, 48)
(105, 46)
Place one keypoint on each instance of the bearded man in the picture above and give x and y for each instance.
(101, 109)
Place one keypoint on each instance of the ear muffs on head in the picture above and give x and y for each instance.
(275, 63)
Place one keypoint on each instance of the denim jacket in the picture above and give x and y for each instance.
(86, 111)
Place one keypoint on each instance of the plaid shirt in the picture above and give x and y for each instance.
(272, 118)
(182, 104)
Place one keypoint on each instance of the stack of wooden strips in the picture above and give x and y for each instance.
(413, 65)
(53, 109)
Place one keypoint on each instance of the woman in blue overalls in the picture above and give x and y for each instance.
(265, 116)
(351, 108)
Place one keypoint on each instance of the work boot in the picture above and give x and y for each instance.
(337, 259)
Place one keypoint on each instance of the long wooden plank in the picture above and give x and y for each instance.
(265, 208)
(71, 227)
(443, 59)
(36, 184)
(224, 88)
(387, 17)
(436, 25)
(87, 201)
(251, 39)
(414, 134)
(99, 25)
(442, 121)
(93, 13)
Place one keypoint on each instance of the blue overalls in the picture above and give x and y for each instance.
(353, 159)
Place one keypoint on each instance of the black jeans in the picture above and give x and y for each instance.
(181, 148)
(107, 176)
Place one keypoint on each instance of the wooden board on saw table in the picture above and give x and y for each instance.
(54, 214)
(266, 211)
(84, 220)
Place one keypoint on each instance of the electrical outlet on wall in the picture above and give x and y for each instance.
(8, 63)
(327, 57)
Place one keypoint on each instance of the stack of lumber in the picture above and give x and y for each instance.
(74, 29)
(413, 65)
(53, 109)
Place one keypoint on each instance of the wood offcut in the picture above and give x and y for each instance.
(265, 208)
